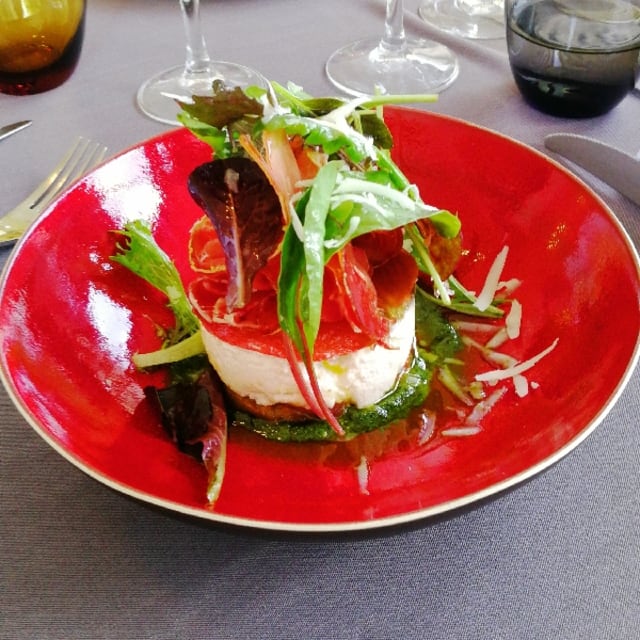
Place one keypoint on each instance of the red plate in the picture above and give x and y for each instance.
(70, 322)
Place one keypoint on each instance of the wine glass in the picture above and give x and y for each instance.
(477, 19)
(157, 96)
(393, 64)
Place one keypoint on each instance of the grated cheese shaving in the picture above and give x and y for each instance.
(509, 286)
(473, 327)
(511, 372)
(497, 357)
(503, 360)
(492, 281)
(521, 385)
(461, 431)
(484, 407)
(498, 339)
(513, 320)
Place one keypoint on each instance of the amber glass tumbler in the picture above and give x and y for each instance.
(40, 43)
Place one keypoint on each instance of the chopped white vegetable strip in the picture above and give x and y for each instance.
(509, 286)
(491, 283)
(451, 383)
(504, 374)
(514, 320)
(503, 360)
(191, 346)
(470, 342)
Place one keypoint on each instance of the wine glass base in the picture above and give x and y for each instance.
(368, 67)
(157, 96)
(450, 17)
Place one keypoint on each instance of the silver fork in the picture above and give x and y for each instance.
(83, 155)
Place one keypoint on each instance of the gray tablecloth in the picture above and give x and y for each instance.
(558, 557)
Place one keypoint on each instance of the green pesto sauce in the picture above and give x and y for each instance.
(410, 391)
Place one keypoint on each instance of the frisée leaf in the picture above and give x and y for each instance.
(141, 254)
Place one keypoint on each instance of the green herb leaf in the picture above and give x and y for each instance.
(316, 212)
(141, 255)
(216, 138)
(320, 133)
(360, 205)
(301, 103)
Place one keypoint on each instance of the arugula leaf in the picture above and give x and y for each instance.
(360, 205)
(363, 119)
(216, 138)
(290, 293)
(300, 287)
(295, 98)
(325, 135)
(316, 211)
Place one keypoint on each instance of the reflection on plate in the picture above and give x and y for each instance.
(70, 321)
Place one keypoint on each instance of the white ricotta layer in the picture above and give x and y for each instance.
(361, 377)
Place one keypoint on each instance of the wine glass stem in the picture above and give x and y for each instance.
(394, 36)
(198, 61)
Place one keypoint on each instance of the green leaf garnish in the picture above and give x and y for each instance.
(141, 254)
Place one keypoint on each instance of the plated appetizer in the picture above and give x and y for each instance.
(324, 303)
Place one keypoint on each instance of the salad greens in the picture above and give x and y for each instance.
(359, 189)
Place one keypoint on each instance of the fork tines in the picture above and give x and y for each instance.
(83, 155)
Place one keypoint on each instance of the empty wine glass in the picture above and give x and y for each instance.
(157, 96)
(478, 19)
(393, 64)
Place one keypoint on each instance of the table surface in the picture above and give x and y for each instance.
(558, 557)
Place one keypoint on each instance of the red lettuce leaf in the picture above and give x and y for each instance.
(194, 415)
(246, 214)
(225, 107)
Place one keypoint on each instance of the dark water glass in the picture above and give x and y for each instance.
(40, 43)
(574, 58)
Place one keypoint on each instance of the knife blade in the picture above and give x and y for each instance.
(10, 129)
(613, 166)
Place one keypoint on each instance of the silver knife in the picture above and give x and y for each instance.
(10, 129)
(613, 166)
